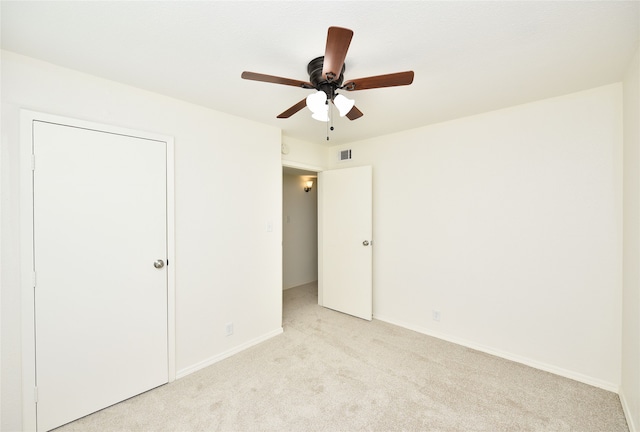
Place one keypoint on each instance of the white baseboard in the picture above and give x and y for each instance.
(627, 412)
(605, 385)
(211, 360)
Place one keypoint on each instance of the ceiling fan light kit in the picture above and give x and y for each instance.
(318, 104)
(326, 75)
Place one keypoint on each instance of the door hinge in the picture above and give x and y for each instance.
(35, 394)
(33, 162)
(34, 279)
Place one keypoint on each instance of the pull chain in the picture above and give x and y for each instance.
(329, 114)
(328, 108)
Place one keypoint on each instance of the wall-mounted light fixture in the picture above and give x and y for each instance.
(307, 185)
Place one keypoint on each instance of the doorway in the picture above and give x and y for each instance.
(299, 227)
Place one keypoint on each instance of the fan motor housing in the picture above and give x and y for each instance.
(314, 68)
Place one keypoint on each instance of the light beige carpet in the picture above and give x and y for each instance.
(333, 372)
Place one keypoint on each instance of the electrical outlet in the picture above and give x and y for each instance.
(228, 328)
(435, 314)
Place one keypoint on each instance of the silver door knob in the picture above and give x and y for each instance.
(158, 264)
(365, 243)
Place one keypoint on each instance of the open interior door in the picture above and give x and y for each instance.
(344, 240)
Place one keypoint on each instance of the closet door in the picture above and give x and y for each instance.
(100, 248)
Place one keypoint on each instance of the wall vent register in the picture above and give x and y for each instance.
(345, 155)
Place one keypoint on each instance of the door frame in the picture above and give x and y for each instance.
(27, 118)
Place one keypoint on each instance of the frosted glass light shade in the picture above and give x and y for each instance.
(317, 102)
(343, 104)
(307, 185)
(322, 116)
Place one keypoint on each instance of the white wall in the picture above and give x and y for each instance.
(299, 231)
(630, 386)
(303, 154)
(228, 267)
(509, 224)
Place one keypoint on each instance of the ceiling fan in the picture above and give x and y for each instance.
(326, 75)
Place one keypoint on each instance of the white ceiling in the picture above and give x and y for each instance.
(468, 57)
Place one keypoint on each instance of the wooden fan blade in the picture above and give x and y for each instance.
(338, 41)
(378, 81)
(275, 80)
(355, 113)
(294, 109)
